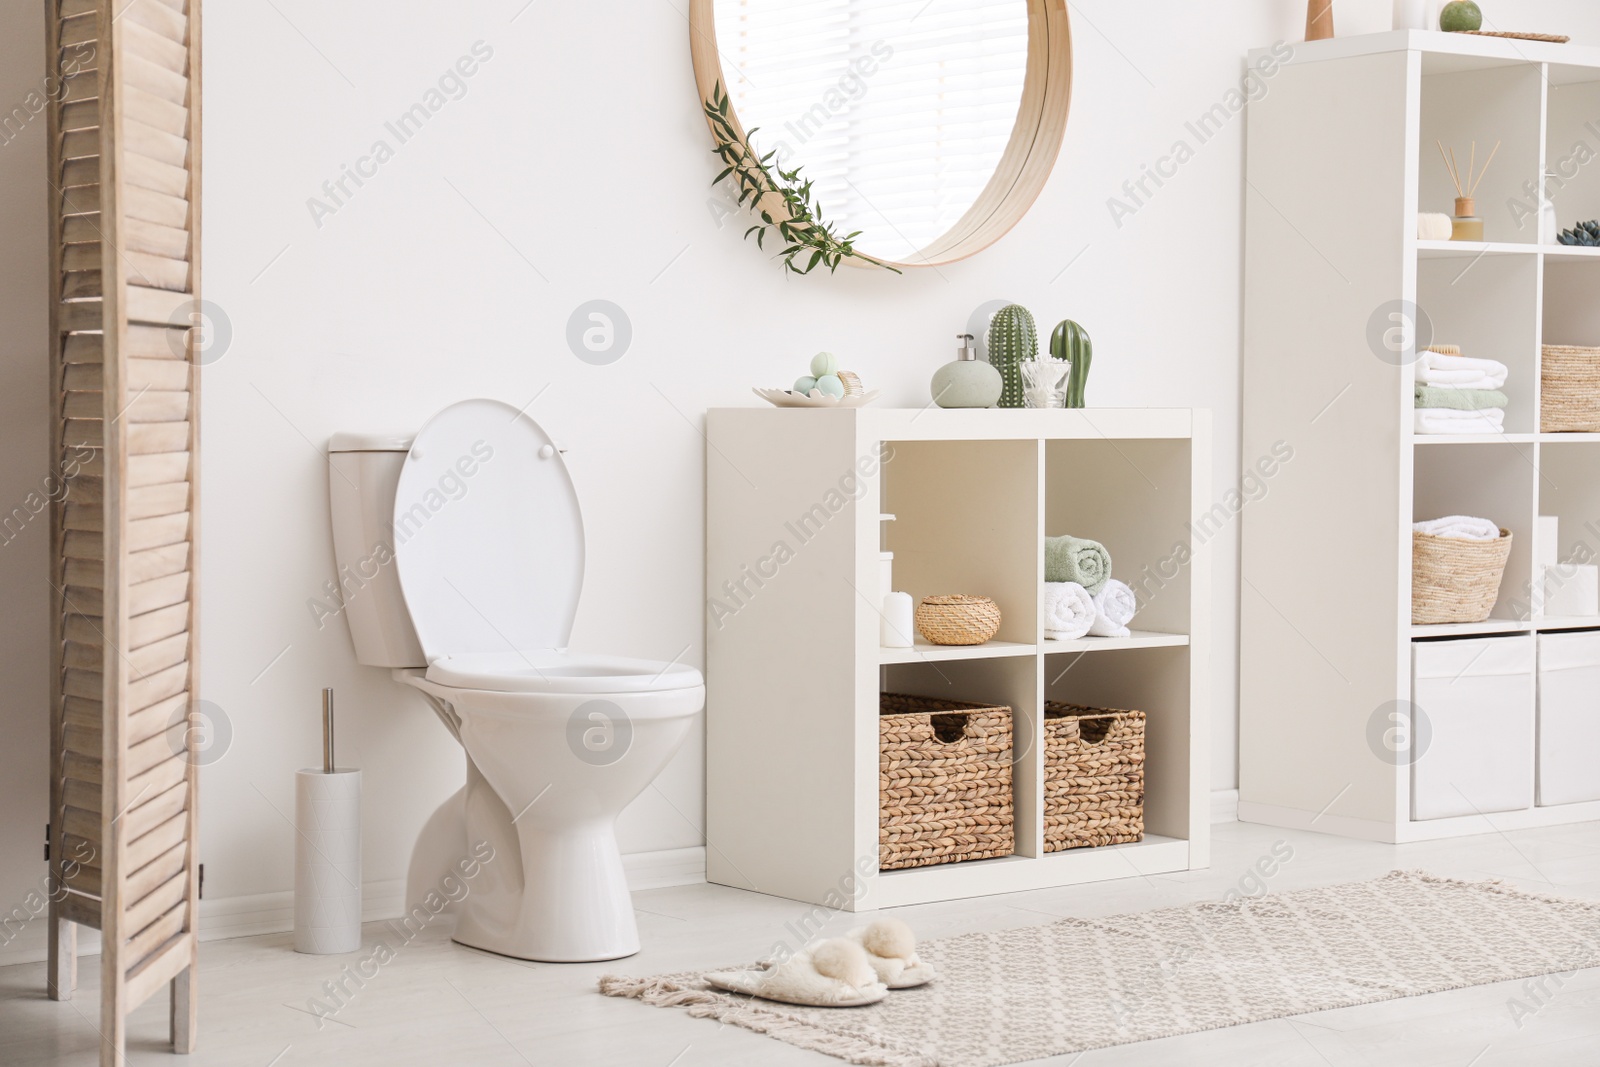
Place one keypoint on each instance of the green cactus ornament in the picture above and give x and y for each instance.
(1013, 337)
(1071, 342)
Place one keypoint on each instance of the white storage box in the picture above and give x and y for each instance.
(1478, 701)
(1569, 718)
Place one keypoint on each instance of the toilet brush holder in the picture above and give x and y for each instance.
(327, 856)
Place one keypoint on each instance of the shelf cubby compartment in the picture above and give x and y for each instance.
(1571, 313)
(1572, 144)
(1487, 105)
(1569, 490)
(1491, 481)
(1156, 682)
(1011, 682)
(1489, 306)
(1134, 498)
(967, 521)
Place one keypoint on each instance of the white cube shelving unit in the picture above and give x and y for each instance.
(1342, 157)
(794, 666)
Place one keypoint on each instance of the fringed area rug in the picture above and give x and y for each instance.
(1015, 995)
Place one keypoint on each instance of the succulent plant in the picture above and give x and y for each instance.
(1013, 337)
(1586, 234)
(1071, 342)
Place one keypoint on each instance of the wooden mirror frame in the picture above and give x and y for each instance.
(1029, 157)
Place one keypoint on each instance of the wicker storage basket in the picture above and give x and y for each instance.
(944, 782)
(958, 620)
(1093, 776)
(1455, 580)
(1571, 383)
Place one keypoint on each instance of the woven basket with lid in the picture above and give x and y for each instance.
(958, 620)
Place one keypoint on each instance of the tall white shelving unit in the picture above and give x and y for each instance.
(794, 665)
(1341, 159)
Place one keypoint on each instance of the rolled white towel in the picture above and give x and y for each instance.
(1434, 227)
(1114, 607)
(1450, 420)
(1068, 611)
(1462, 372)
(1464, 527)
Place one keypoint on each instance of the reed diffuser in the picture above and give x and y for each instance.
(1467, 226)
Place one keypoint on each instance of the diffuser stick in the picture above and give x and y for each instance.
(327, 730)
(1448, 166)
(1485, 170)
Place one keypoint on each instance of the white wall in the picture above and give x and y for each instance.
(576, 167)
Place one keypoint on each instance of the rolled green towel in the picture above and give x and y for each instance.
(1073, 559)
(1433, 396)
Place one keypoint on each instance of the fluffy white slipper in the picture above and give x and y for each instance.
(834, 974)
(892, 950)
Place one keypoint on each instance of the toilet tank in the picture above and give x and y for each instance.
(364, 470)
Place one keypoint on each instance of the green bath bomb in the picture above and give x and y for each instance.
(803, 386)
(830, 385)
(824, 363)
(1460, 16)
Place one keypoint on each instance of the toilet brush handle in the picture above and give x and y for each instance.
(327, 731)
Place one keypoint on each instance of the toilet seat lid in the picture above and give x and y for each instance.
(488, 533)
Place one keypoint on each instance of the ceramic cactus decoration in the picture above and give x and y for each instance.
(1071, 342)
(1013, 337)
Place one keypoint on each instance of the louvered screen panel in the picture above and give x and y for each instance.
(124, 173)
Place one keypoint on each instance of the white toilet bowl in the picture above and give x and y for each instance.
(488, 551)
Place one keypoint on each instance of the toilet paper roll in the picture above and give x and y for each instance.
(327, 861)
(897, 630)
(1571, 592)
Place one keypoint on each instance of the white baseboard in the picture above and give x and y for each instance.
(273, 913)
(660, 870)
(1225, 805)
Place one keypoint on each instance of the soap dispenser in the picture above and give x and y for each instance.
(968, 382)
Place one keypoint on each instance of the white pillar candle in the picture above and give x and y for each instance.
(898, 628)
(327, 861)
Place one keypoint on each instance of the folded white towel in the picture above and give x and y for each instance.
(1068, 611)
(1464, 527)
(1462, 372)
(1434, 227)
(1449, 420)
(1114, 607)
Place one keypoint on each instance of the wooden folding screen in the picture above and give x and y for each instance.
(124, 117)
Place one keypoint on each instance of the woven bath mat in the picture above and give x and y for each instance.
(1010, 996)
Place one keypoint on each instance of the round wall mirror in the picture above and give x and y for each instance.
(928, 125)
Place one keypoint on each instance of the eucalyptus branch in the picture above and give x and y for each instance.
(799, 222)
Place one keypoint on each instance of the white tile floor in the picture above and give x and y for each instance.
(438, 1003)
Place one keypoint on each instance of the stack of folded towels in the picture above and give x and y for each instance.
(1459, 395)
(1081, 599)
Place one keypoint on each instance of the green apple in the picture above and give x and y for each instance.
(1461, 15)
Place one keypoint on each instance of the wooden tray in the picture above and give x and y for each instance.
(1552, 38)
